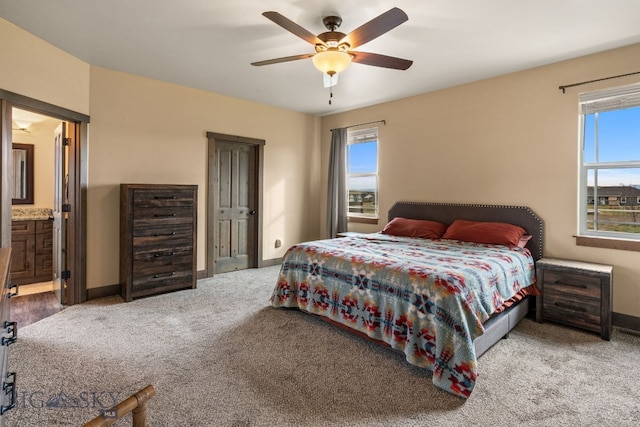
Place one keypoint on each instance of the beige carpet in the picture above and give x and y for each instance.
(220, 356)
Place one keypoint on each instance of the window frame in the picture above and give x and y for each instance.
(612, 99)
(359, 136)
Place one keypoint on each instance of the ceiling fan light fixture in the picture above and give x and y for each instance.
(331, 61)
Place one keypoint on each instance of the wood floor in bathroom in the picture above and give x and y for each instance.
(28, 309)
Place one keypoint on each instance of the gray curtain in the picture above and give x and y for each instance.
(337, 188)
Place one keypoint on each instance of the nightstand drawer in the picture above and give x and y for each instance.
(576, 284)
(571, 309)
(587, 321)
(568, 301)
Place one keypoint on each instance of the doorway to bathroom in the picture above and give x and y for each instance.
(47, 232)
(37, 230)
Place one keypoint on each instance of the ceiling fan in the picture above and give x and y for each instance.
(334, 49)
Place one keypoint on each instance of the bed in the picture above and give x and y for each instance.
(441, 301)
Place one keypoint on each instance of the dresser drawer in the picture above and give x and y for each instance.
(160, 243)
(161, 255)
(163, 198)
(162, 232)
(161, 214)
(159, 282)
(162, 228)
(161, 267)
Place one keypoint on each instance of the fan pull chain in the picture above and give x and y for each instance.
(330, 94)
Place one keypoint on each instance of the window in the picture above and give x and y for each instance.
(610, 163)
(362, 173)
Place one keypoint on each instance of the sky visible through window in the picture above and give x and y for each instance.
(362, 158)
(618, 140)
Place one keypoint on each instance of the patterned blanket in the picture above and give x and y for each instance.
(426, 298)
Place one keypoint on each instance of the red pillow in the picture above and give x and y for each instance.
(414, 228)
(496, 233)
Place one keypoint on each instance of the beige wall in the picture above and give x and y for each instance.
(37, 69)
(506, 140)
(146, 131)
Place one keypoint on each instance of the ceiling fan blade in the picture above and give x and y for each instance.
(283, 59)
(378, 60)
(292, 27)
(376, 27)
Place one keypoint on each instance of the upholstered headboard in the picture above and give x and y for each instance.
(448, 212)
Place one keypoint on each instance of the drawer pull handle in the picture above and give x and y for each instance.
(164, 215)
(172, 253)
(173, 233)
(10, 387)
(165, 197)
(560, 282)
(12, 294)
(156, 276)
(12, 328)
(570, 307)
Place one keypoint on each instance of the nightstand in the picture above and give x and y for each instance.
(576, 294)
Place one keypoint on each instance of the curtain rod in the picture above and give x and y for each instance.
(563, 87)
(362, 124)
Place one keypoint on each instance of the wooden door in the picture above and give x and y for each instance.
(234, 206)
(59, 219)
(234, 202)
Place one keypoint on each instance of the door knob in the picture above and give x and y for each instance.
(252, 212)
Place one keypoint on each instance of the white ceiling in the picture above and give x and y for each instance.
(209, 44)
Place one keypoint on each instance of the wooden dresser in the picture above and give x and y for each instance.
(8, 397)
(576, 294)
(157, 238)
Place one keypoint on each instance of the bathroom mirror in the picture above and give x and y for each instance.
(22, 174)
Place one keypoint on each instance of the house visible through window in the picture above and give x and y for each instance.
(362, 173)
(610, 163)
